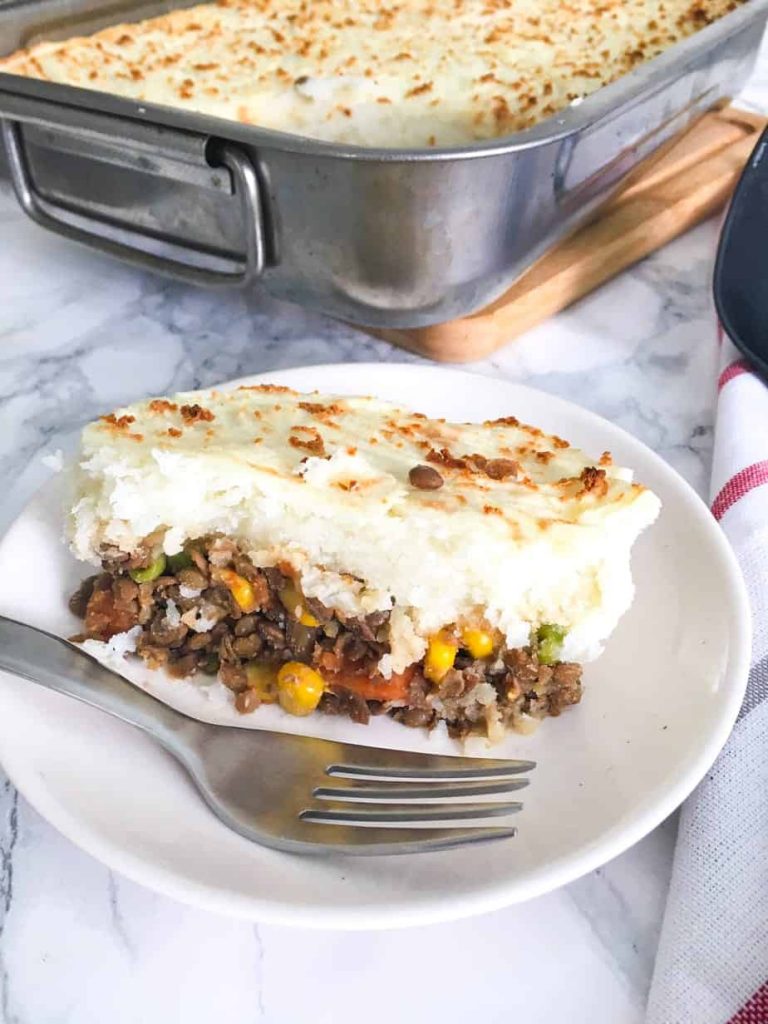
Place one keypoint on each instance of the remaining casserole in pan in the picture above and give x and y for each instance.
(349, 556)
(409, 74)
(388, 237)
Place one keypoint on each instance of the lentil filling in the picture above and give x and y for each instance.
(209, 610)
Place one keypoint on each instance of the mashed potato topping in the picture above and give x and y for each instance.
(374, 508)
(414, 73)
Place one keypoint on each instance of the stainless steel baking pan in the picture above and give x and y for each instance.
(390, 238)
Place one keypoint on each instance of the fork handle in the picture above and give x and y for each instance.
(59, 665)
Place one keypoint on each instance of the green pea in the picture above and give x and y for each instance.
(153, 570)
(549, 638)
(181, 560)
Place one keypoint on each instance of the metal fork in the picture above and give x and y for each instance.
(275, 788)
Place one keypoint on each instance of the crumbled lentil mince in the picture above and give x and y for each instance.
(191, 622)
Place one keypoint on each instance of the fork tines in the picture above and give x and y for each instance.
(422, 791)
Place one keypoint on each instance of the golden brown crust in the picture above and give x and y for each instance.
(516, 476)
(418, 72)
(196, 414)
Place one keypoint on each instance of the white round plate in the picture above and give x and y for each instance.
(657, 708)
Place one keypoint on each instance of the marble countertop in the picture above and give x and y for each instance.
(82, 945)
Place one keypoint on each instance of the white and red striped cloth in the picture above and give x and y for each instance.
(712, 963)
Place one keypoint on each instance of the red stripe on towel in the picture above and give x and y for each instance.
(745, 481)
(755, 1011)
(733, 370)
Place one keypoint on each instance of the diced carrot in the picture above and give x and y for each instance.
(373, 687)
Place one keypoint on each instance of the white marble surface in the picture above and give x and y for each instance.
(80, 945)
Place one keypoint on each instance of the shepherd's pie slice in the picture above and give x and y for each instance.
(352, 557)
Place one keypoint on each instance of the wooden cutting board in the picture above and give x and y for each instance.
(687, 182)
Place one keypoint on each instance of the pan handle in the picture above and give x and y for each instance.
(106, 236)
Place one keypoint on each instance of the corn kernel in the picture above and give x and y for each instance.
(292, 601)
(262, 678)
(440, 656)
(299, 688)
(240, 589)
(479, 642)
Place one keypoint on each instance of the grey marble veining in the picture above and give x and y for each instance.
(81, 945)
